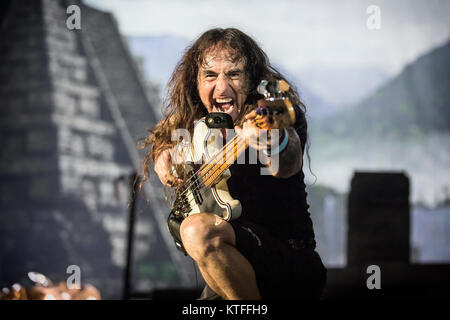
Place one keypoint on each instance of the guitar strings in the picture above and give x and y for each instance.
(197, 175)
(225, 160)
(201, 189)
(239, 144)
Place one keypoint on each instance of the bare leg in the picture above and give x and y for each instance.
(233, 276)
(210, 241)
(212, 283)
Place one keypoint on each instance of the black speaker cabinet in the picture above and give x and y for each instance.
(378, 218)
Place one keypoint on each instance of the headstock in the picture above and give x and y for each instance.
(275, 111)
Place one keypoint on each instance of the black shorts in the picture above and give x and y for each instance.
(282, 272)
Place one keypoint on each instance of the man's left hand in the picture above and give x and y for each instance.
(258, 139)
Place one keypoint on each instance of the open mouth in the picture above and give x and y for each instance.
(224, 104)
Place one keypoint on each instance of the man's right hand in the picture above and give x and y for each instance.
(163, 169)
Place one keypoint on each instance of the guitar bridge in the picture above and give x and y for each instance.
(181, 206)
(183, 203)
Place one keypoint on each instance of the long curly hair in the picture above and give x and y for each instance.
(182, 105)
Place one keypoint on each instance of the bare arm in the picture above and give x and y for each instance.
(162, 169)
(283, 164)
(289, 161)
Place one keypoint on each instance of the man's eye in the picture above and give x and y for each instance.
(235, 75)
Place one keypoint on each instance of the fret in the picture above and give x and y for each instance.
(209, 172)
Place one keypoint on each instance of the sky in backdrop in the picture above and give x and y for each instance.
(300, 33)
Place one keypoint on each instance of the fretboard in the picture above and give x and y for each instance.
(222, 160)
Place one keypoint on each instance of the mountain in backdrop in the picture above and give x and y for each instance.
(416, 102)
(402, 126)
(342, 86)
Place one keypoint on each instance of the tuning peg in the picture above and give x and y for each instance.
(262, 88)
(283, 85)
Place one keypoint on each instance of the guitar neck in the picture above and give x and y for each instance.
(222, 160)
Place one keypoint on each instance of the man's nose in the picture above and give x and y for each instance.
(221, 84)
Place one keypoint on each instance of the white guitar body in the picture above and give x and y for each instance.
(217, 199)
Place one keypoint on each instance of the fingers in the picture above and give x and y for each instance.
(169, 179)
(247, 130)
(251, 115)
(238, 130)
(163, 169)
(256, 138)
(172, 181)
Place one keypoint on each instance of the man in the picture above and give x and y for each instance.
(269, 251)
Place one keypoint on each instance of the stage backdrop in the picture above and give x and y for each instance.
(82, 82)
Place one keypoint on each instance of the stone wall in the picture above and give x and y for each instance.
(68, 137)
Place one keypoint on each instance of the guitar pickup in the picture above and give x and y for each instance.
(195, 189)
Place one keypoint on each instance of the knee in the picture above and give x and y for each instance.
(201, 237)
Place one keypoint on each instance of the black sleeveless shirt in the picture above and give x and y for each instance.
(278, 204)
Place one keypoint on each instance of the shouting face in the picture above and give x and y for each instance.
(222, 84)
